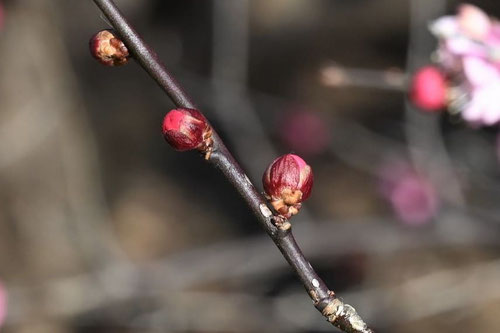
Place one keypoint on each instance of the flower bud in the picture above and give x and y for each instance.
(186, 129)
(108, 49)
(288, 182)
(428, 89)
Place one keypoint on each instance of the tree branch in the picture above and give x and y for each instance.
(339, 314)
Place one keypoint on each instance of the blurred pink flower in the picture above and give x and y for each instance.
(3, 304)
(469, 51)
(304, 132)
(411, 196)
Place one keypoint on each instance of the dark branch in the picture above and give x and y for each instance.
(339, 314)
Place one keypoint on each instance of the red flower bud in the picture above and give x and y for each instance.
(186, 129)
(108, 49)
(428, 89)
(288, 182)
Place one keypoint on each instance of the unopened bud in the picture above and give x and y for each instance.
(187, 129)
(288, 182)
(108, 49)
(428, 89)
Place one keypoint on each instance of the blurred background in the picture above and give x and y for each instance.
(104, 228)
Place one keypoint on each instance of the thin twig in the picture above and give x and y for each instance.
(339, 314)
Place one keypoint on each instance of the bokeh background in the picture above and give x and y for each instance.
(104, 228)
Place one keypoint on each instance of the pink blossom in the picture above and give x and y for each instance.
(469, 51)
(445, 27)
(411, 196)
(462, 46)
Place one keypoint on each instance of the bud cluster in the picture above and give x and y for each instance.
(288, 182)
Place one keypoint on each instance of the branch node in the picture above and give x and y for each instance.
(208, 143)
(344, 316)
(282, 223)
(314, 296)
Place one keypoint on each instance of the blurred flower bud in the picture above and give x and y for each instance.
(288, 182)
(108, 49)
(185, 129)
(428, 89)
(304, 132)
(412, 197)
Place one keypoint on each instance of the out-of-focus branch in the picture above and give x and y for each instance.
(424, 134)
(339, 314)
(338, 76)
(247, 259)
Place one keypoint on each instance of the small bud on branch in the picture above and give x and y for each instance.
(108, 49)
(187, 129)
(288, 182)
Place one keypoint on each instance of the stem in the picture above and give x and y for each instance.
(146, 57)
(339, 314)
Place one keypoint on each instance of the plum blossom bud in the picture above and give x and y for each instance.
(187, 129)
(288, 182)
(108, 49)
(428, 89)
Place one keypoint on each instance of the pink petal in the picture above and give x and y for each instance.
(472, 113)
(479, 72)
(473, 22)
(460, 45)
(484, 107)
(444, 27)
(491, 113)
